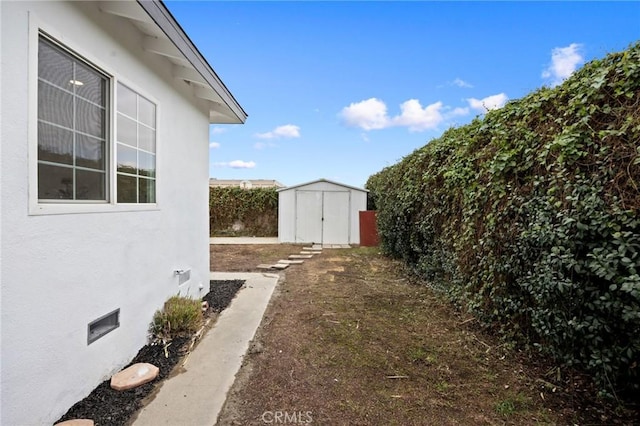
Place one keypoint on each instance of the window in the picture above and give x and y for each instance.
(80, 160)
(136, 147)
(72, 127)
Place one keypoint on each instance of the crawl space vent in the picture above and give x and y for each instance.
(103, 325)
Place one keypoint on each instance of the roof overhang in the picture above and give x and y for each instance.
(163, 35)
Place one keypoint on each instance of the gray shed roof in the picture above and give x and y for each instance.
(322, 180)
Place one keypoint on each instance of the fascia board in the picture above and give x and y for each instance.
(168, 24)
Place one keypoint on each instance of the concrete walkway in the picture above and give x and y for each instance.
(195, 396)
(243, 240)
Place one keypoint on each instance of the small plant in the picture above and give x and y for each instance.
(442, 386)
(180, 316)
(511, 404)
(419, 355)
(505, 407)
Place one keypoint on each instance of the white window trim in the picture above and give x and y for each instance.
(36, 27)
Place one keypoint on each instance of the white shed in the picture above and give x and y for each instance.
(321, 211)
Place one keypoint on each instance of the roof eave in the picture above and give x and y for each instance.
(174, 32)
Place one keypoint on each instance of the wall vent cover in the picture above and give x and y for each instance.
(103, 325)
(184, 276)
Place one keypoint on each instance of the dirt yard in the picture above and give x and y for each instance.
(348, 340)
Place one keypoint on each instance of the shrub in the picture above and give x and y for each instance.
(180, 316)
(529, 217)
(255, 208)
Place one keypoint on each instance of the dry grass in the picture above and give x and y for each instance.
(348, 340)
(245, 258)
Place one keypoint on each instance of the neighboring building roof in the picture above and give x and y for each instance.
(247, 183)
(164, 36)
(323, 180)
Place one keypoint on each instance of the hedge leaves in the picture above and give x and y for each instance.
(529, 218)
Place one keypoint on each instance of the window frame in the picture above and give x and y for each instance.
(117, 143)
(74, 129)
(38, 28)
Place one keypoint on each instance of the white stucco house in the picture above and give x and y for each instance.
(321, 211)
(105, 113)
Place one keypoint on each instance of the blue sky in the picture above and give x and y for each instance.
(340, 90)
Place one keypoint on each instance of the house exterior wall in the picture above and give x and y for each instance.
(287, 209)
(59, 272)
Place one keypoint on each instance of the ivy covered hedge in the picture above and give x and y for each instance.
(254, 212)
(529, 217)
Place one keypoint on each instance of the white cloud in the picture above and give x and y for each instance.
(461, 83)
(371, 114)
(237, 164)
(217, 130)
(488, 103)
(214, 145)
(263, 145)
(286, 131)
(564, 61)
(457, 112)
(368, 115)
(417, 118)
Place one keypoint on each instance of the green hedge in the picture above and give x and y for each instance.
(529, 218)
(256, 209)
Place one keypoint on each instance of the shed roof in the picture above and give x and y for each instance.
(323, 180)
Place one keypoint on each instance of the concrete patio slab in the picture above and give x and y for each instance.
(196, 396)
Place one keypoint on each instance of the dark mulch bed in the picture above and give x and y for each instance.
(221, 293)
(108, 407)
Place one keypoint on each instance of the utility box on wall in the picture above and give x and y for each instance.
(321, 211)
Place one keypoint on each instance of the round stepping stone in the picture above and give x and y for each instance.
(134, 376)
(76, 422)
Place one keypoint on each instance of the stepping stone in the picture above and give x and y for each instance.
(312, 248)
(280, 266)
(317, 246)
(291, 262)
(301, 256)
(263, 266)
(309, 252)
(134, 376)
(76, 422)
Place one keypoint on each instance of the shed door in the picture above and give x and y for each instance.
(322, 217)
(308, 216)
(335, 224)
